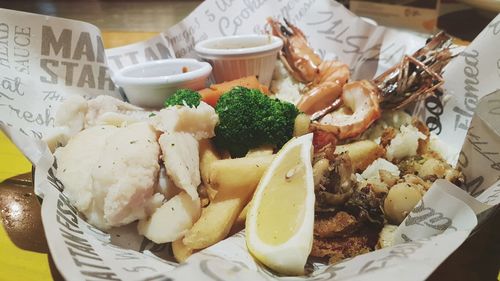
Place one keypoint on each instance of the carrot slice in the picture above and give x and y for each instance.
(212, 94)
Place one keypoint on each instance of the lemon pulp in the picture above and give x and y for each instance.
(278, 219)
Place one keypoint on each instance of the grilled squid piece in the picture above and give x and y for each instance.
(334, 180)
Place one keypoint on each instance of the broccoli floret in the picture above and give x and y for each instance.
(249, 119)
(184, 97)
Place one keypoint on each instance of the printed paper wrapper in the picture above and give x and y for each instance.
(45, 59)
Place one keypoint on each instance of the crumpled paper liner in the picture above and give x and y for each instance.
(49, 58)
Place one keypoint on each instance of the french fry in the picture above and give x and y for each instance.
(362, 153)
(211, 193)
(217, 219)
(181, 251)
(208, 154)
(301, 125)
(235, 181)
(260, 151)
(239, 223)
(243, 214)
(238, 173)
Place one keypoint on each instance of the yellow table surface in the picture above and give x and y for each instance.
(12, 161)
(16, 263)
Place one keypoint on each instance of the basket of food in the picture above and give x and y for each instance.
(286, 141)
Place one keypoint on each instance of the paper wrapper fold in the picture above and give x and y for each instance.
(43, 60)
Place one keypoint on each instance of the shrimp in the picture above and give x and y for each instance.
(361, 109)
(347, 110)
(413, 78)
(324, 79)
(326, 88)
(297, 56)
(365, 100)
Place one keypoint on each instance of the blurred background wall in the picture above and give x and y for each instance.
(463, 20)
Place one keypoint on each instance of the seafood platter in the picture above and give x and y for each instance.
(267, 147)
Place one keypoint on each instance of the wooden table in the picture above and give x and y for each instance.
(24, 253)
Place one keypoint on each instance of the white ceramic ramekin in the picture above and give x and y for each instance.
(233, 57)
(149, 84)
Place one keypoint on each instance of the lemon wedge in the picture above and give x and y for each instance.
(280, 221)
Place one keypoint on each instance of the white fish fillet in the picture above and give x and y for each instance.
(72, 113)
(110, 173)
(76, 114)
(69, 120)
(112, 111)
(75, 162)
(172, 220)
(182, 162)
(199, 121)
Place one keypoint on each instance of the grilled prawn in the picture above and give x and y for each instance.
(348, 109)
(324, 79)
